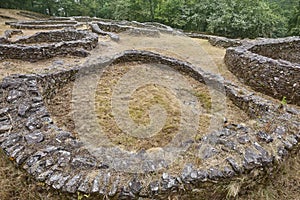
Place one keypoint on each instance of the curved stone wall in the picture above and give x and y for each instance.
(270, 66)
(44, 24)
(217, 40)
(45, 45)
(151, 28)
(54, 156)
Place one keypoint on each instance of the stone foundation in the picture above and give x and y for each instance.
(45, 45)
(44, 24)
(270, 66)
(217, 40)
(29, 136)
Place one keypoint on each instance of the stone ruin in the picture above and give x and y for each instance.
(68, 41)
(217, 40)
(270, 66)
(29, 136)
(43, 45)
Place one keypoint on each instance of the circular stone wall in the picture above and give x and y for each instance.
(270, 66)
(44, 24)
(62, 160)
(43, 45)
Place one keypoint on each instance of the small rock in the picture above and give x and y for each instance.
(202, 175)
(228, 172)
(154, 187)
(287, 144)
(14, 95)
(84, 162)
(194, 174)
(11, 139)
(64, 135)
(282, 152)
(114, 37)
(53, 178)
(33, 123)
(3, 111)
(234, 164)
(135, 186)
(16, 151)
(172, 183)
(85, 186)
(165, 176)
(243, 139)
(264, 136)
(60, 183)
(72, 184)
(5, 128)
(207, 151)
(44, 175)
(114, 187)
(34, 138)
(96, 183)
(58, 62)
(292, 139)
(265, 156)
(215, 174)
(36, 99)
(22, 109)
(251, 159)
(21, 157)
(106, 180)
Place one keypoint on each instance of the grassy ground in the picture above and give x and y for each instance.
(15, 184)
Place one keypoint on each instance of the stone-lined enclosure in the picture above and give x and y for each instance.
(69, 41)
(43, 45)
(270, 66)
(29, 136)
(54, 156)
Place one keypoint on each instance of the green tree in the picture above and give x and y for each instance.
(294, 22)
(244, 18)
(232, 18)
(172, 12)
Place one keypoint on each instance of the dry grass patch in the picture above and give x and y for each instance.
(140, 103)
(15, 184)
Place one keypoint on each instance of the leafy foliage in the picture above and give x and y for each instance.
(294, 22)
(231, 18)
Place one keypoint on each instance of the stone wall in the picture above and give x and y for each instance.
(95, 28)
(122, 26)
(54, 36)
(279, 50)
(44, 24)
(217, 40)
(65, 42)
(31, 139)
(261, 66)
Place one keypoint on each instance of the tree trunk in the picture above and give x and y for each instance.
(151, 10)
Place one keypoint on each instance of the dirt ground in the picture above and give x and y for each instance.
(14, 182)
